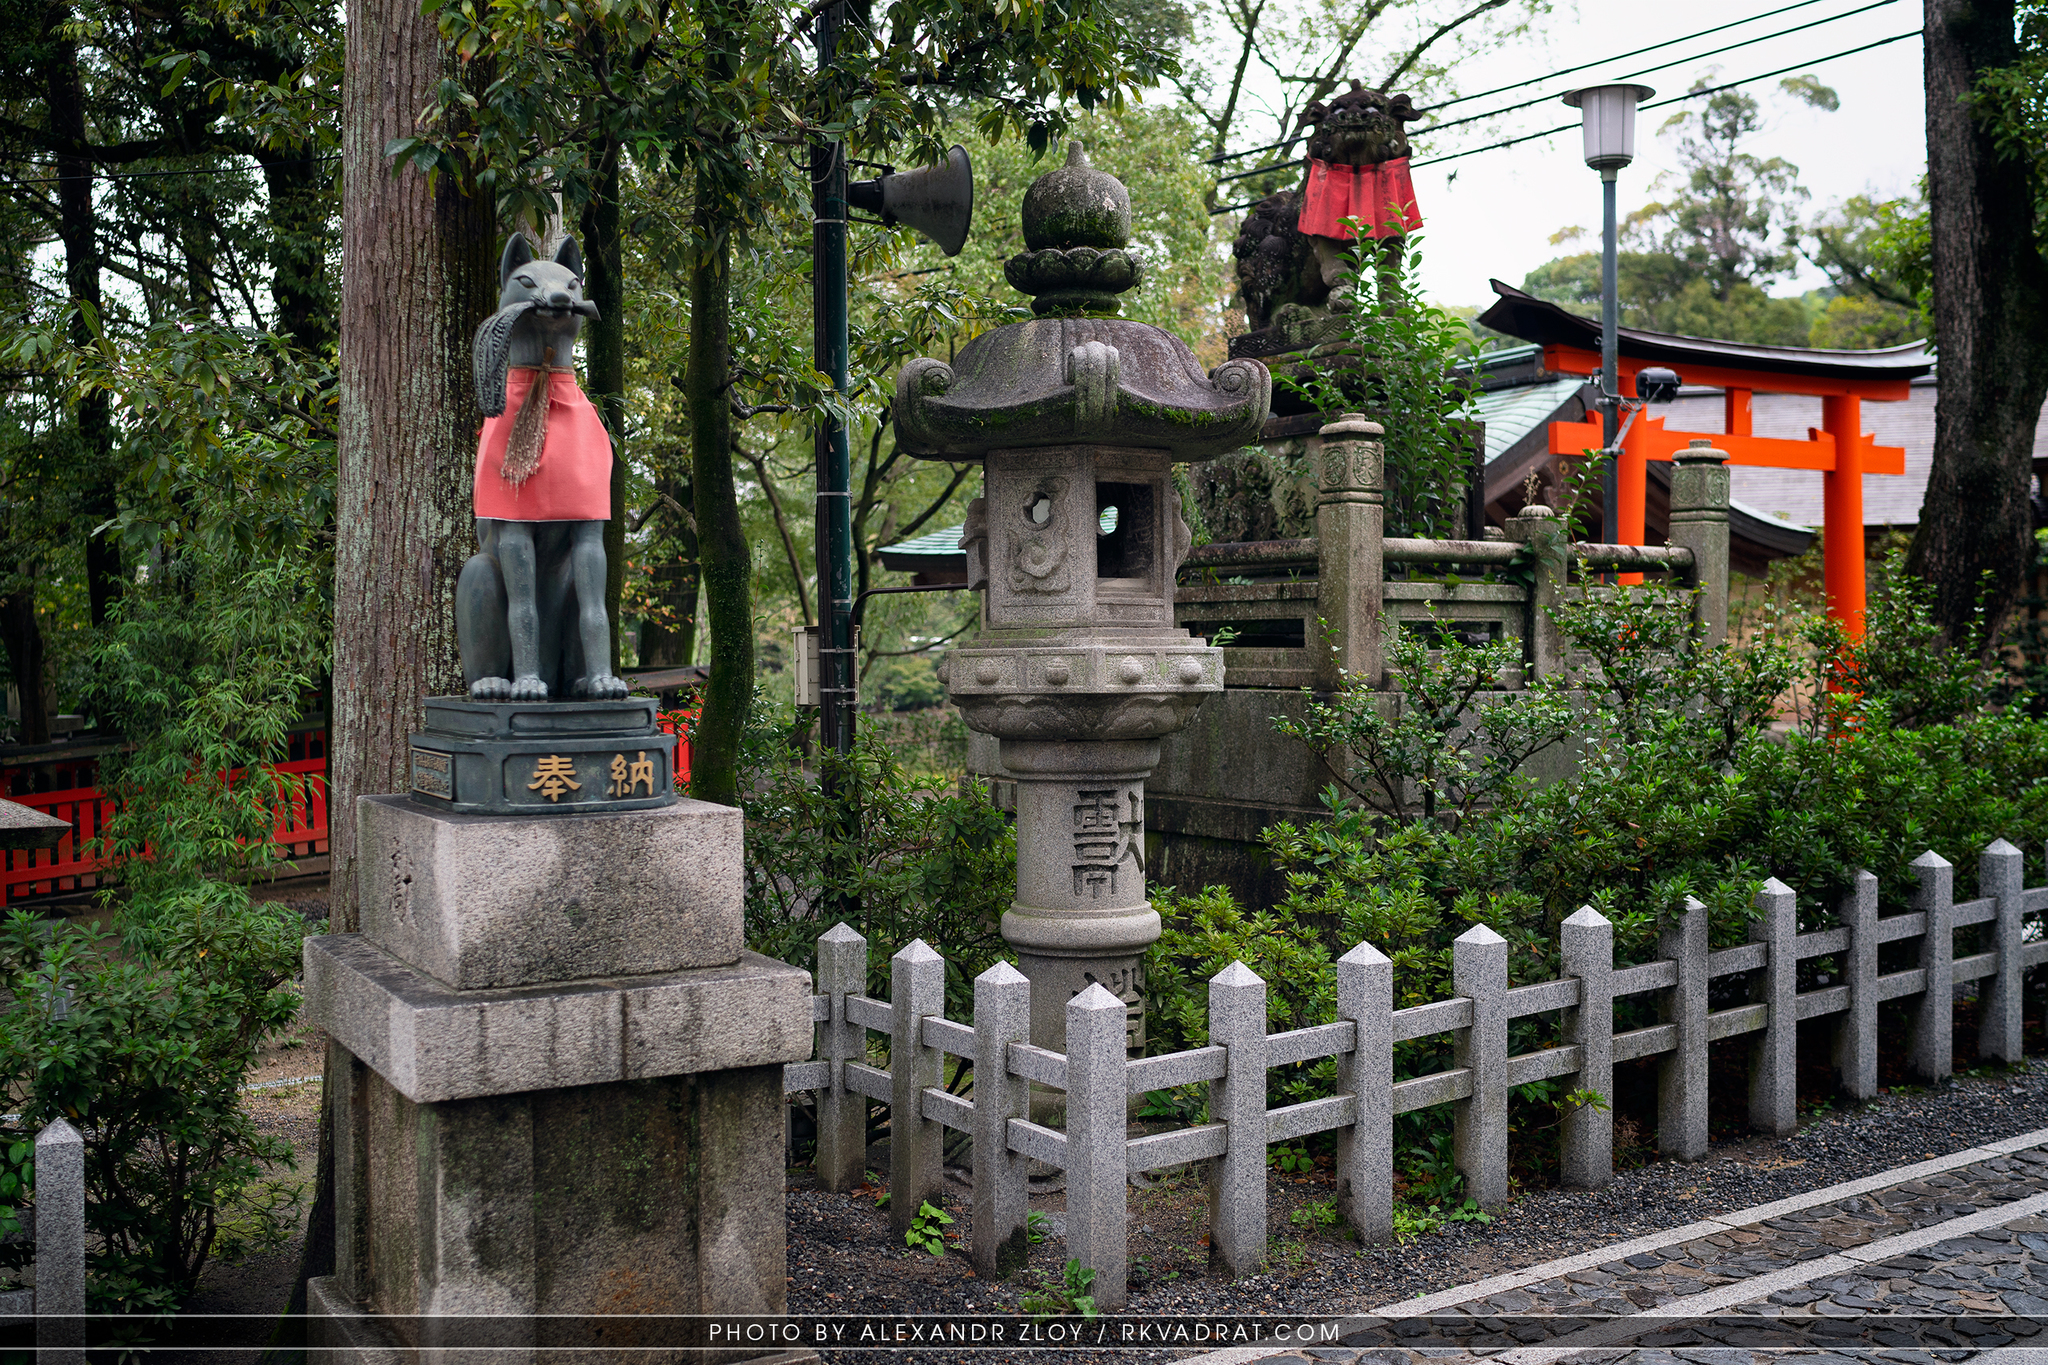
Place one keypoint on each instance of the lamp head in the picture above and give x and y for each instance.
(1610, 122)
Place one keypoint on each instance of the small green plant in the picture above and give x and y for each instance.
(1037, 1228)
(1315, 1216)
(1065, 1296)
(1291, 1160)
(1413, 1220)
(1468, 1212)
(926, 1231)
(1183, 1104)
(882, 1200)
(17, 1182)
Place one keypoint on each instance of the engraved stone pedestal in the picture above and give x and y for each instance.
(563, 1075)
(542, 758)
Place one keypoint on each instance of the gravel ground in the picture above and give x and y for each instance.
(842, 1258)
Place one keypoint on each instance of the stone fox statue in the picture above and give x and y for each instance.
(529, 608)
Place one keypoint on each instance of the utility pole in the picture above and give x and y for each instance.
(834, 534)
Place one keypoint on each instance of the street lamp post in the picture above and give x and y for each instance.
(1610, 131)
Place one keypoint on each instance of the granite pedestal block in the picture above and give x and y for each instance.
(563, 1074)
(479, 901)
(543, 758)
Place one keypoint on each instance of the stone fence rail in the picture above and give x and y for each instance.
(56, 1300)
(1098, 1155)
(1325, 622)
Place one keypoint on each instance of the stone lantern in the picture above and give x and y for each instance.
(1078, 417)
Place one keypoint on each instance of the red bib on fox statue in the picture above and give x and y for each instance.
(572, 480)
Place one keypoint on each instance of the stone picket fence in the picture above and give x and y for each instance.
(1097, 1154)
(57, 1298)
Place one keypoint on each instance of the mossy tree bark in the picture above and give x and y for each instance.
(1990, 292)
(724, 562)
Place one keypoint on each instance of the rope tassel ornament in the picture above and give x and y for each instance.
(529, 436)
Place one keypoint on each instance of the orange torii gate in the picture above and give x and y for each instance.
(1839, 447)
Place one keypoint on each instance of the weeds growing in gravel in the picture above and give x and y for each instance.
(1064, 1295)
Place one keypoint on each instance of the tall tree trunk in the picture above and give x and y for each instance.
(673, 563)
(417, 279)
(726, 565)
(23, 640)
(64, 86)
(1990, 295)
(604, 353)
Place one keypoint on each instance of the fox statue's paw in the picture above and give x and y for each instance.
(491, 689)
(529, 687)
(602, 687)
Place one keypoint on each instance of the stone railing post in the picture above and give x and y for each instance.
(1587, 944)
(1855, 1047)
(1098, 1232)
(917, 987)
(1237, 1184)
(1365, 1151)
(1682, 1072)
(1538, 527)
(842, 1113)
(1774, 1056)
(1699, 522)
(60, 1245)
(1479, 971)
(1351, 575)
(2001, 874)
(1933, 1056)
(1002, 1016)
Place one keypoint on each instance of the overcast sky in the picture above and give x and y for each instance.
(1492, 214)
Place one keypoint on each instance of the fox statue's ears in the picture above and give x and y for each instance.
(518, 252)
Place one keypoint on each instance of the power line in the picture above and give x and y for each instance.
(1537, 80)
(1662, 66)
(1676, 99)
(1660, 104)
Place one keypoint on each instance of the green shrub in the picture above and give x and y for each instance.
(147, 1056)
(891, 855)
(144, 1044)
(1681, 782)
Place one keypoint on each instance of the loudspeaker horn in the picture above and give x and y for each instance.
(936, 201)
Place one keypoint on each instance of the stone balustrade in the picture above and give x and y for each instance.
(1097, 1152)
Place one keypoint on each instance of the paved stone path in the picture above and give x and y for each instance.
(1932, 1262)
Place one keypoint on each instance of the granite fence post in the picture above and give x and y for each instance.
(1350, 530)
(917, 987)
(2001, 874)
(1537, 527)
(1774, 1054)
(1682, 1072)
(1479, 972)
(1002, 1016)
(1699, 522)
(1933, 1054)
(1098, 1235)
(1365, 1150)
(1587, 943)
(60, 1245)
(1855, 1047)
(1237, 1183)
(842, 1113)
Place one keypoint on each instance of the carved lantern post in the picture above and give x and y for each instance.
(1078, 417)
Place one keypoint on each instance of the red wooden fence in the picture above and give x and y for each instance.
(73, 866)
